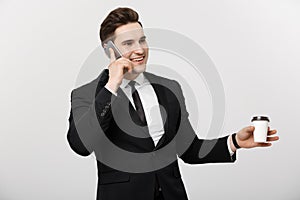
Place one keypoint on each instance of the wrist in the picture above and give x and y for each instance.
(112, 86)
(235, 141)
(232, 147)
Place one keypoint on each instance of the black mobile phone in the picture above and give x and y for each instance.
(109, 45)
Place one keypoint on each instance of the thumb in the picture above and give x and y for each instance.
(250, 129)
(246, 132)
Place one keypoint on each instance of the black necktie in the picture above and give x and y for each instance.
(137, 102)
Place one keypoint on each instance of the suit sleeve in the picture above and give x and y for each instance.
(90, 117)
(193, 150)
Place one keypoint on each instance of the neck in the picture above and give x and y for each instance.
(131, 76)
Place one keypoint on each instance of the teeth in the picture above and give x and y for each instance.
(138, 59)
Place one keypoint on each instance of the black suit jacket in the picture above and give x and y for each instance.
(97, 113)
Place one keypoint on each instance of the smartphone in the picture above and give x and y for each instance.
(109, 45)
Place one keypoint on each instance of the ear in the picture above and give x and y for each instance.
(106, 50)
(104, 45)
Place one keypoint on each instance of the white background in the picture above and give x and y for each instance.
(254, 45)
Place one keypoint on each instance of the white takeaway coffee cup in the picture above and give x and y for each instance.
(261, 124)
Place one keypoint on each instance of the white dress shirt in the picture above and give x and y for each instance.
(151, 106)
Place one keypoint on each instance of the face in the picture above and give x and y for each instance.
(131, 41)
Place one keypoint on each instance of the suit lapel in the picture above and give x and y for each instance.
(123, 100)
(159, 89)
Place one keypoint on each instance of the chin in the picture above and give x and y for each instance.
(135, 71)
(139, 69)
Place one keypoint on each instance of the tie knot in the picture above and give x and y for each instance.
(131, 84)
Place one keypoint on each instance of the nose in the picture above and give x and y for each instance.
(139, 48)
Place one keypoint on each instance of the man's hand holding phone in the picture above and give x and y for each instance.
(117, 68)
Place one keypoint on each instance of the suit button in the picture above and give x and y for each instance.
(159, 189)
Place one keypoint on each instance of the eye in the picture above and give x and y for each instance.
(127, 43)
(143, 40)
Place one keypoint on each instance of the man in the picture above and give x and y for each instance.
(140, 112)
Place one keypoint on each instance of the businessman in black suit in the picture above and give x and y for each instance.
(140, 113)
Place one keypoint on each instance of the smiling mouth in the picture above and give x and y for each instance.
(138, 59)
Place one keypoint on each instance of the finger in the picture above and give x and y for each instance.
(127, 65)
(124, 61)
(112, 55)
(130, 68)
(269, 139)
(264, 144)
(272, 132)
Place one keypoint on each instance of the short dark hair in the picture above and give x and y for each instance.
(115, 19)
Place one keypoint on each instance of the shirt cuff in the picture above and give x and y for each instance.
(114, 93)
(228, 145)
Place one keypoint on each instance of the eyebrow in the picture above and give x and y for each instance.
(126, 41)
(131, 40)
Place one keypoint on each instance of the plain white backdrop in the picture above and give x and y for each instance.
(254, 45)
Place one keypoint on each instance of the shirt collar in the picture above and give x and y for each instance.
(140, 80)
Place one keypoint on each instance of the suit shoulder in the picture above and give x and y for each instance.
(154, 77)
(89, 89)
(86, 90)
(87, 86)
